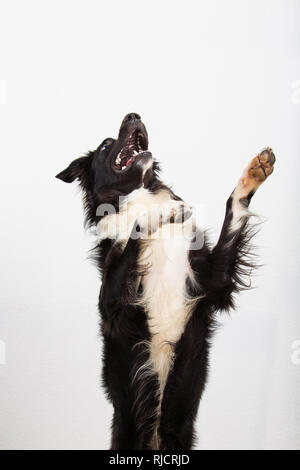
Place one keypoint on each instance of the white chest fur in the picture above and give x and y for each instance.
(165, 299)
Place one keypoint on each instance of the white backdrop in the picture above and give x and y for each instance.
(214, 82)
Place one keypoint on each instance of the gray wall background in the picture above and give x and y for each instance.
(215, 82)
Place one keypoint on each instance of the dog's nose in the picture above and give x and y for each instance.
(132, 117)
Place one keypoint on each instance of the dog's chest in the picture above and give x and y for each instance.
(164, 260)
(164, 296)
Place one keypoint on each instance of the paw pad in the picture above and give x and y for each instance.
(262, 165)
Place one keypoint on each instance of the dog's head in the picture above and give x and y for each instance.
(115, 168)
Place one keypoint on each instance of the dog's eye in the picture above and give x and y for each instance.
(106, 144)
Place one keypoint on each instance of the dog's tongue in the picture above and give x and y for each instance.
(129, 161)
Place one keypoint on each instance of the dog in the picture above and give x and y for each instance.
(162, 285)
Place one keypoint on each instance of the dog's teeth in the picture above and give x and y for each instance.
(118, 159)
(123, 167)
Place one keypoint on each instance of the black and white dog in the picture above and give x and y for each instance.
(162, 285)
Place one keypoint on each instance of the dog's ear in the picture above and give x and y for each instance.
(74, 170)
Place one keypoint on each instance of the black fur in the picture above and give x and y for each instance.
(220, 273)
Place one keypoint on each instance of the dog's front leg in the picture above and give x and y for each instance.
(124, 328)
(229, 260)
(120, 273)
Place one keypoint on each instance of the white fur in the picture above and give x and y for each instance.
(239, 212)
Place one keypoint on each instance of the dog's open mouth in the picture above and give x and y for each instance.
(135, 145)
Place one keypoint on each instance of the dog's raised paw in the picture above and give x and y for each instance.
(262, 165)
(256, 172)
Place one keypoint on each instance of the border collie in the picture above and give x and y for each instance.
(162, 285)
